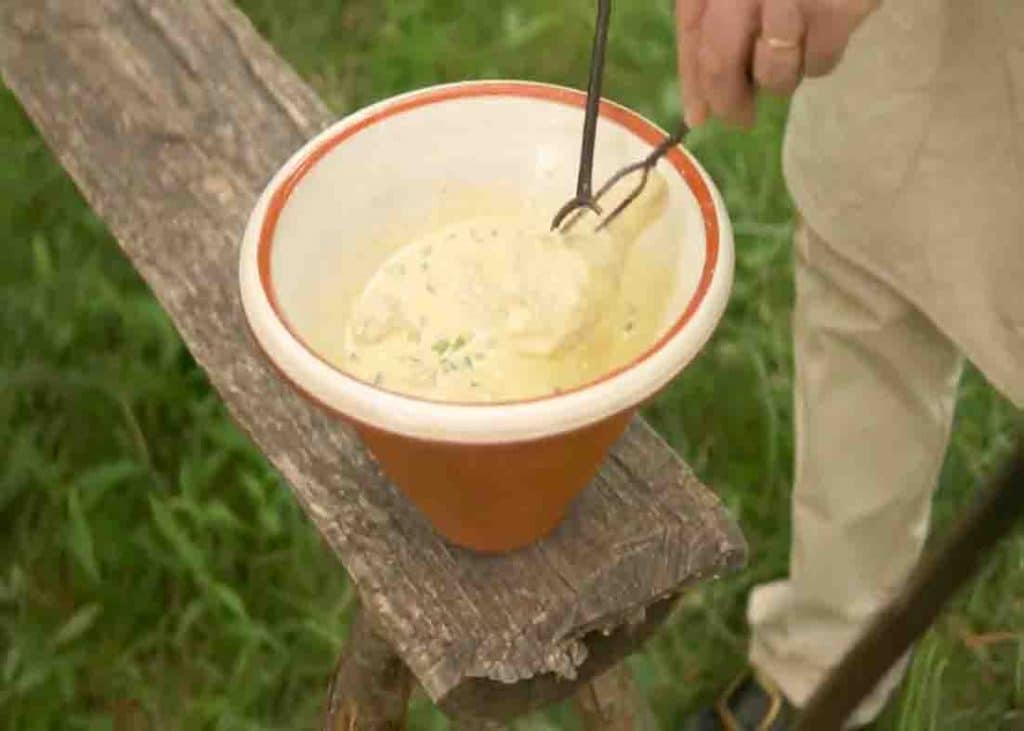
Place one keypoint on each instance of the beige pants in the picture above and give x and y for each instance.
(876, 386)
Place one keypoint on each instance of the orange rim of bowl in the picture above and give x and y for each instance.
(609, 111)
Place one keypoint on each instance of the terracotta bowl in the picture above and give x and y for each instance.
(489, 477)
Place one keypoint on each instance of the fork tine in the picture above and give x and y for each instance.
(576, 204)
(627, 201)
(579, 205)
(613, 180)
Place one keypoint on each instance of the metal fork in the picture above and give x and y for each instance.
(585, 199)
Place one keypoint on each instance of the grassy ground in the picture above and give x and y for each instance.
(152, 564)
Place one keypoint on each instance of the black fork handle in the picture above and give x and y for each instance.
(916, 607)
(585, 183)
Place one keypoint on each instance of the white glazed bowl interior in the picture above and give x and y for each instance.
(385, 167)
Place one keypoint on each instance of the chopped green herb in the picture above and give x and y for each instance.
(468, 361)
(440, 346)
(378, 379)
(459, 342)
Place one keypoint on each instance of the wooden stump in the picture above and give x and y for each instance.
(613, 702)
(371, 685)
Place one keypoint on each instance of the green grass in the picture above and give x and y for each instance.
(151, 564)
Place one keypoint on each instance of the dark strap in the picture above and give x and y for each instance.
(916, 607)
(774, 704)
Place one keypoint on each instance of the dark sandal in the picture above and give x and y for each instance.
(750, 703)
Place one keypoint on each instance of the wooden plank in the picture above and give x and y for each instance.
(171, 116)
(603, 648)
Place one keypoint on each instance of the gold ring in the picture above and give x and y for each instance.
(781, 44)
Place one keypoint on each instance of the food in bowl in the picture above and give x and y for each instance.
(498, 308)
(490, 475)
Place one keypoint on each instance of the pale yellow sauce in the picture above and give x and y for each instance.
(496, 308)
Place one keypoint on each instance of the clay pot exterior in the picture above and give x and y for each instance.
(490, 477)
(495, 497)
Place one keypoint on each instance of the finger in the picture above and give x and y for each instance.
(689, 12)
(688, 15)
(727, 36)
(777, 69)
(778, 57)
(695, 105)
(829, 31)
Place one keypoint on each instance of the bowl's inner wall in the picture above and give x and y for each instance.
(426, 166)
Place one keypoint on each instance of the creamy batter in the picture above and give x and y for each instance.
(495, 308)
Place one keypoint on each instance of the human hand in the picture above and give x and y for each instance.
(728, 49)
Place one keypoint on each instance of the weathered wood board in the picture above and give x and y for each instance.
(171, 116)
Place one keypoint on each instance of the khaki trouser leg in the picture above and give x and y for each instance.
(876, 387)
